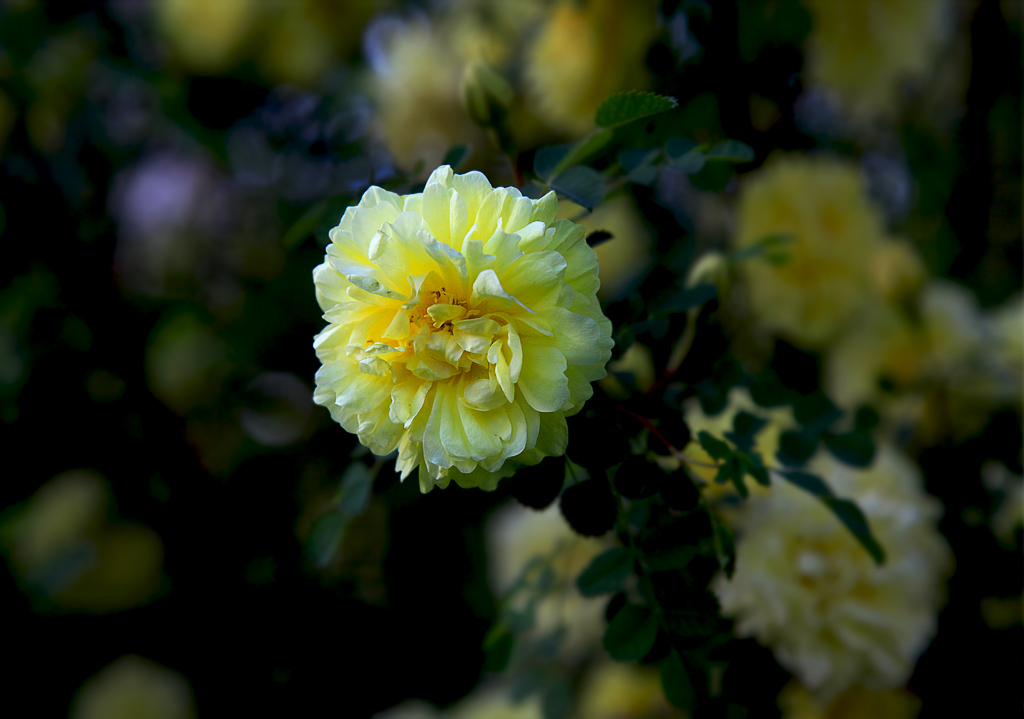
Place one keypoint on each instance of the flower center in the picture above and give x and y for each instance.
(444, 310)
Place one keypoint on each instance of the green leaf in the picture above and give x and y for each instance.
(731, 151)
(551, 643)
(519, 621)
(726, 547)
(866, 419)
(498, 644)
(606, 573)
(770, 246)
(743, 442)
(714, 446)
(712, 399)
(768, 391)
(808, 482)
(356, 486)
(756, 469)
(631, 633)
(816, 410)
(854, 448)
(733, 471)
(684, 155)
(583, 185)
(545, 580)
(325, 537)
(689, 623)
(851, 516)
(796, 447)
(847, 512)
(686, 298)
(456, 155)
(628, 106)
(556, 702)
(662, 553)
(547, 159)
(590, 145)
(745, 428)
(675, 680)
(747, 423)
(529, 682)
(676, 147)
(639, 165)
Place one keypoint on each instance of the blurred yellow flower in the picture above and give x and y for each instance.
(941, 369)
(134, 688)
(488, 701)
(806, 589)
(896, 271)
(822, 204)
(206, 36)
(67, 555)
(463, 328)
(779, 420)
(854, 703)
(416, 87)
(289, 42)
(627, 254)
(521, 540)
(584, 52)
(865, 50)
(1006, 324)
(614, 690)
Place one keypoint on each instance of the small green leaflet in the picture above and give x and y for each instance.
(730, 151)
(631, 633)
(628, 106)
(846, 511)
(606, 573)
(676, 682)
(581, 184)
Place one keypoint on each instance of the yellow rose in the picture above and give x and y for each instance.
(463, 328)
(946, 367)
(822, 204)
(865, 50)
(797, 703)
(415, 87)
(134, 688)
(584, 52)
(804, 587)
(613, 690)
(522, 544)
(68, 555)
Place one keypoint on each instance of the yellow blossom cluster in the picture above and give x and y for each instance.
(67, 554)
(463, 327)
(804, 587)
(523, 544)
(820, 205)
(798, 703)
(584, 52)
(563, 59)
(134, 688)
(940, 369)
(293, 42)
(865, 50)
